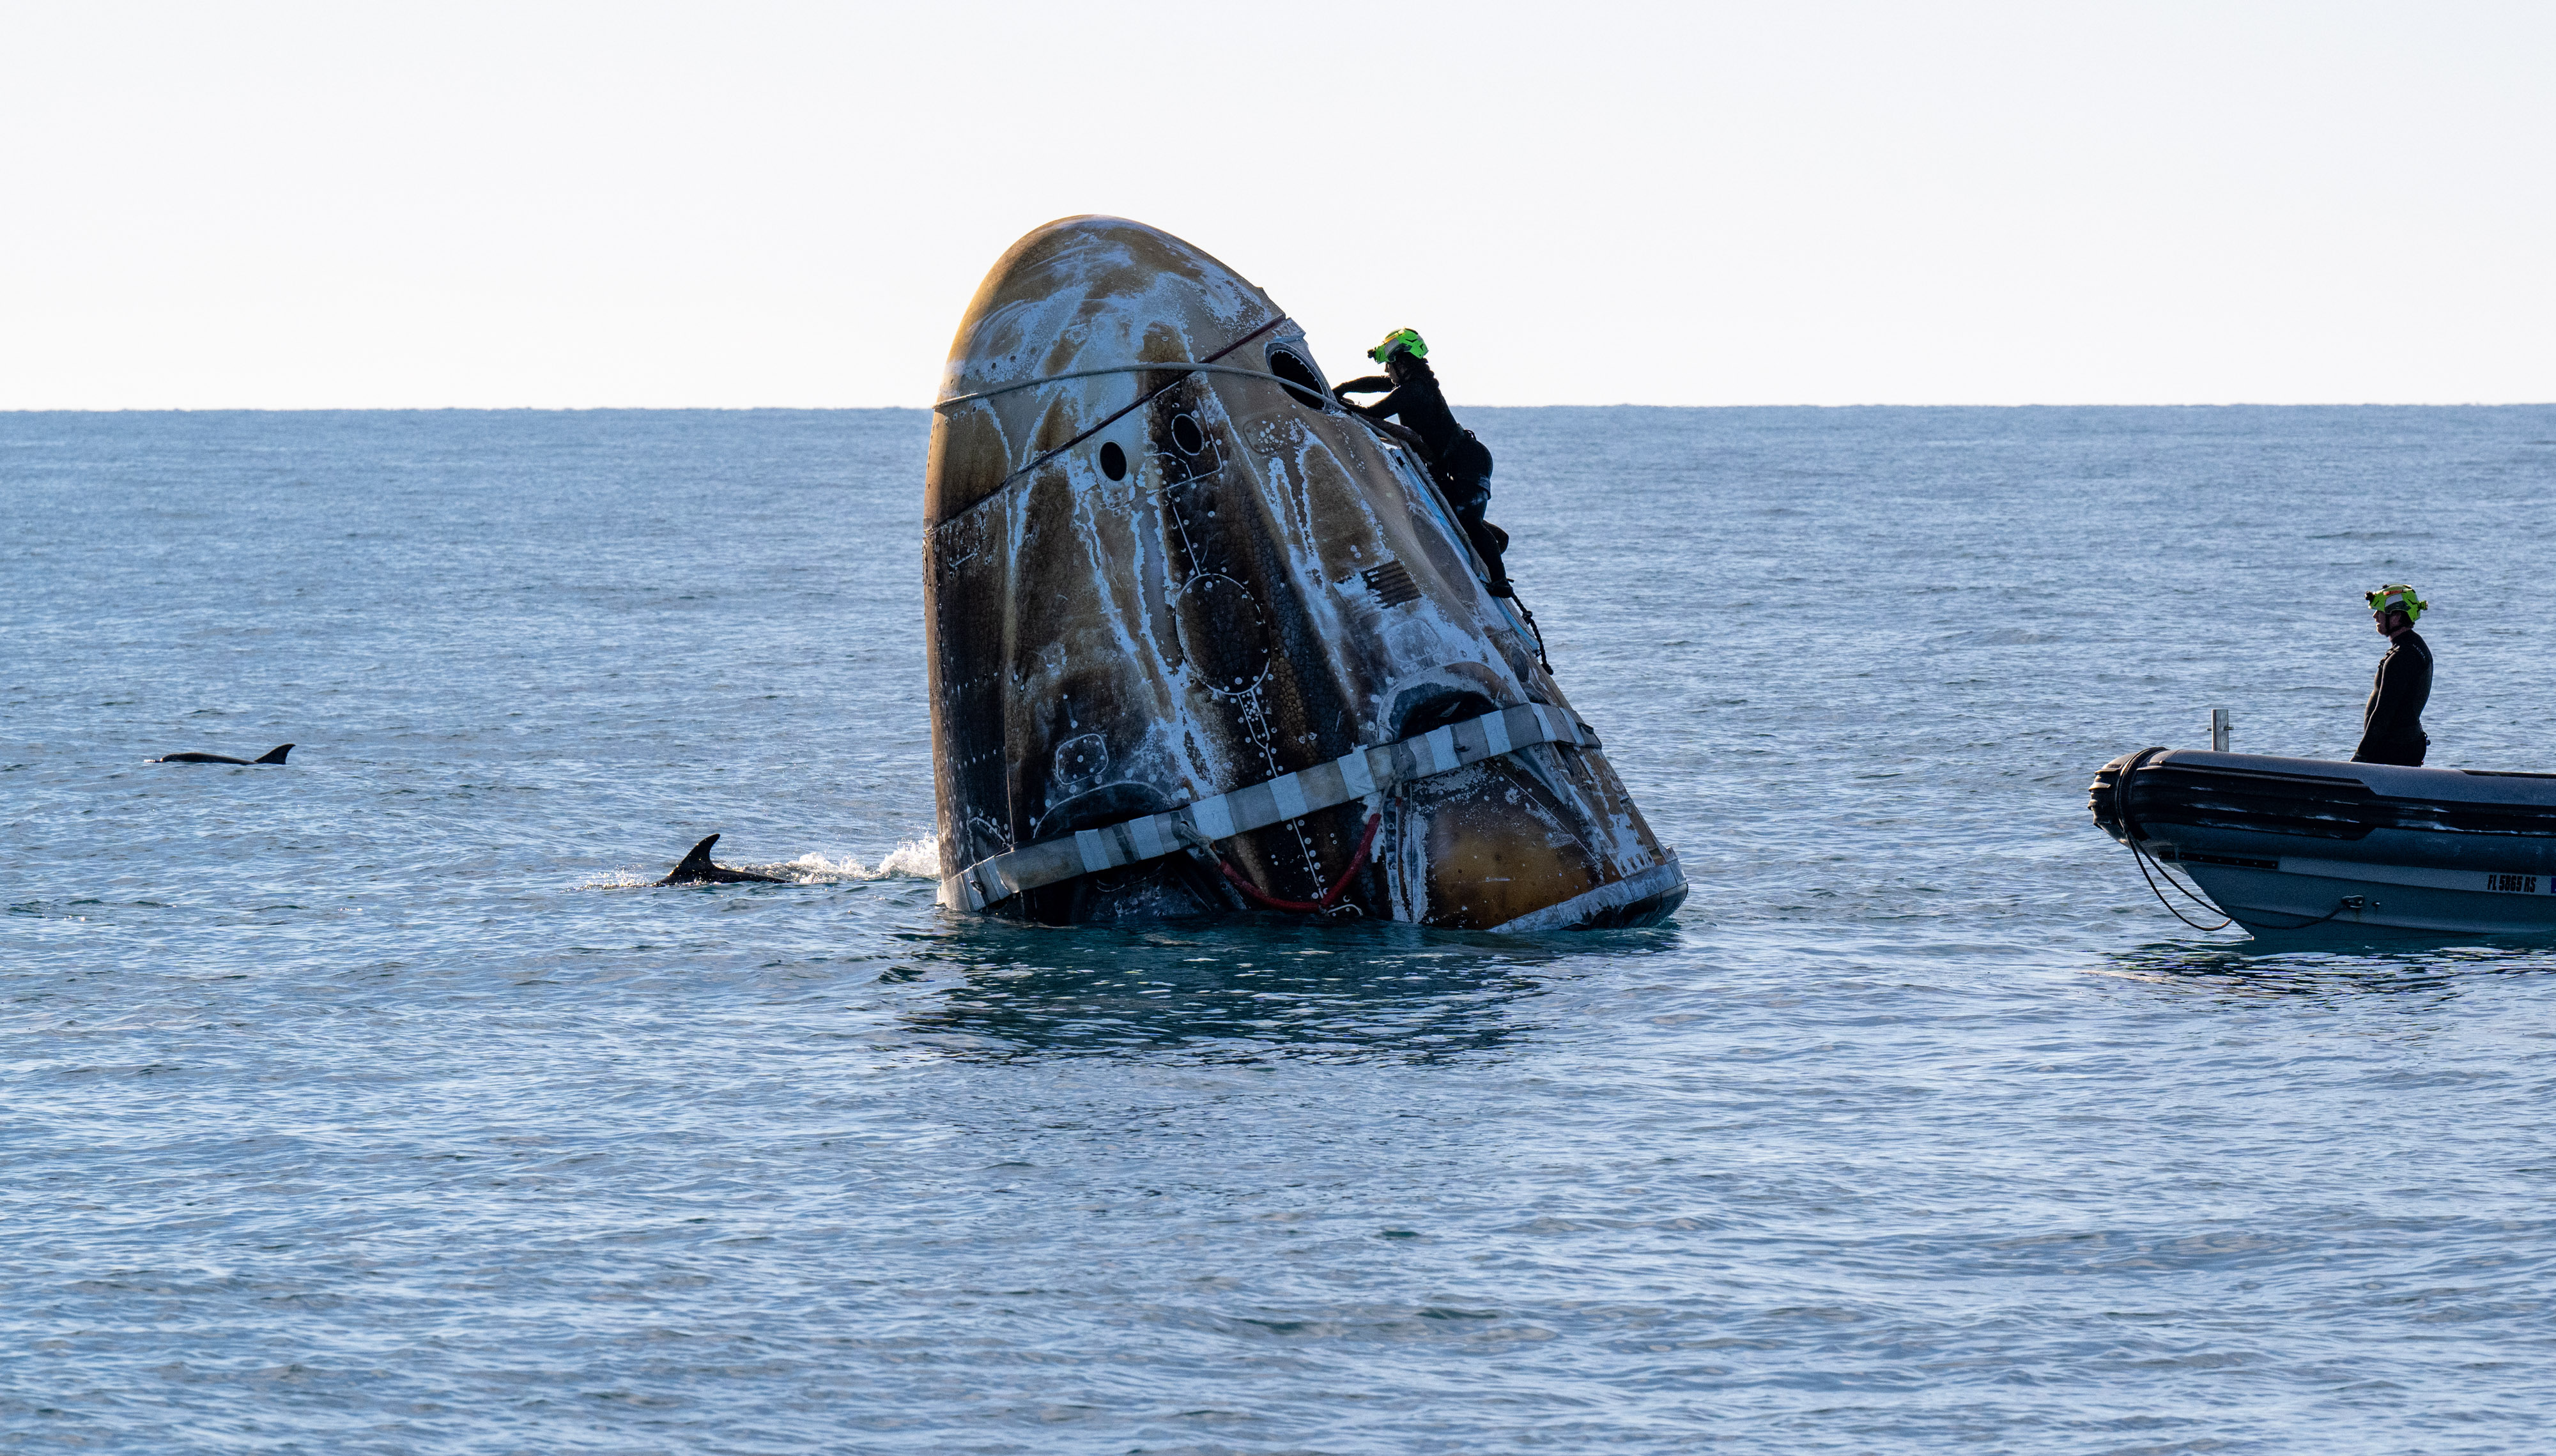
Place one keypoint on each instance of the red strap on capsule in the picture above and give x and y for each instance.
(1330, 896)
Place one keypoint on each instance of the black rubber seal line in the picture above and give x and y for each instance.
(2130, 836)
(1141, 402)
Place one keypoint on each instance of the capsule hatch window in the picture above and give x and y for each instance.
(1303, 381)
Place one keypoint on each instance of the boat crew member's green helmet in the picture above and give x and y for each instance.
(2397, 599)
(1403, 340)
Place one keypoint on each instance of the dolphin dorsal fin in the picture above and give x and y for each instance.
(275, 755)
(696, 865)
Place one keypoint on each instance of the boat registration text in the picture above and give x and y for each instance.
(2492, 882)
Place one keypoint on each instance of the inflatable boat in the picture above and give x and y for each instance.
(1201, 640)
(2287, 844)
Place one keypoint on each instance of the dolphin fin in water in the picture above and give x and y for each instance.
(272, 755)
(696, 868)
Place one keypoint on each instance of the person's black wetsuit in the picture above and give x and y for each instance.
(2392, 722)
(1462, 463)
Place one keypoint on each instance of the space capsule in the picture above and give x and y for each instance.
(1200, 640)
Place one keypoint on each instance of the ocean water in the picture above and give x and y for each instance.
(372, 1104)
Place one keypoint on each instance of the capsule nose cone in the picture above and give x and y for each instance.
(1088, 287)
(1077, 294)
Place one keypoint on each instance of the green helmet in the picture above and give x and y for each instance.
(1400, 338)
(2397, 599)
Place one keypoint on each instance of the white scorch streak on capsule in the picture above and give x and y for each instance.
(1201, 639)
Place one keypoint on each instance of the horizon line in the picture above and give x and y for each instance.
(927, 409)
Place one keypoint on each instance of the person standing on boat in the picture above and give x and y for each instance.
(1462, 463)
(2392, 722)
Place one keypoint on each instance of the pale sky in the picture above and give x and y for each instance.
(338, 205)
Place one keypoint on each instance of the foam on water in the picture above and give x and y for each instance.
(340, 1118)
(913, 859)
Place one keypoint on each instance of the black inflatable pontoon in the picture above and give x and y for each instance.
(2283, 844)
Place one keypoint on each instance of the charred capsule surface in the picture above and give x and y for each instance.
(1169, 583)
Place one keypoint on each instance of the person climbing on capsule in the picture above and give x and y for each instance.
(1462, 463)
(2392, 722)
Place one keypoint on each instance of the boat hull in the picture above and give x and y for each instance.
(2286, 845)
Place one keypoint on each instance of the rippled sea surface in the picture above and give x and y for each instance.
(367, 1105)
